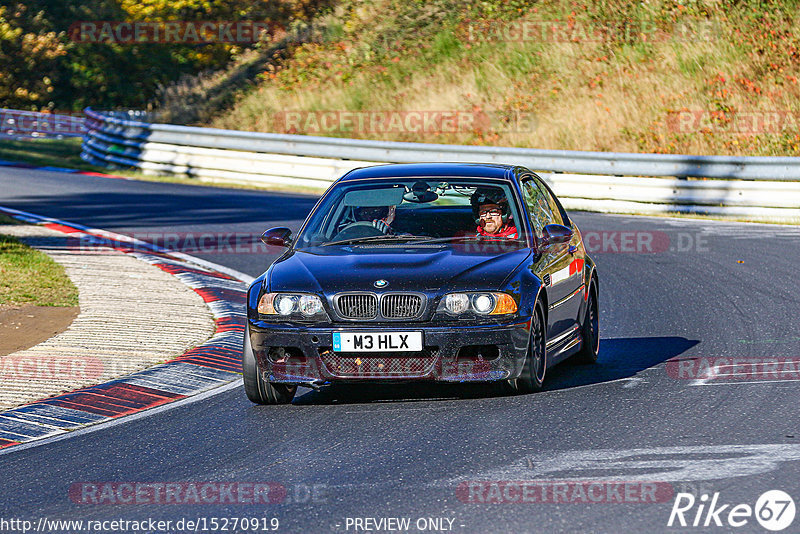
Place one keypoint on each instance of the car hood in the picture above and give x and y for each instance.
(408, 269)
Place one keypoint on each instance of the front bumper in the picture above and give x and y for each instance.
(451, 353)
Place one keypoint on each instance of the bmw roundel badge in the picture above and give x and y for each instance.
(381, 283)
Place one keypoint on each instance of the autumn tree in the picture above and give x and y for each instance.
(42, 67)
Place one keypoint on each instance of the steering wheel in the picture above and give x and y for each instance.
(357, 230)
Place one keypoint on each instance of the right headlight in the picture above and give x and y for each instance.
(480, 303)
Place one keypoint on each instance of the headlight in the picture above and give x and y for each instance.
(289, 304)
(456, 303)
(309, 305)
(485, 303)
(285, 304)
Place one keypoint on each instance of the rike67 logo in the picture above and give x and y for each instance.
(774, 510)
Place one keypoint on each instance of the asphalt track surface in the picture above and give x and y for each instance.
(710, 290)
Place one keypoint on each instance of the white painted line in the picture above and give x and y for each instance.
(633, 382)
(663, 464)
(712, 374)
(123, 420)
(246, 278)
(699, 382)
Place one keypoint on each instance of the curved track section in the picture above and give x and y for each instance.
(677, 298)
(211, 364)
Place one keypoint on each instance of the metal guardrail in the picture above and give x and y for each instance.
(750, 187)
(608, 163)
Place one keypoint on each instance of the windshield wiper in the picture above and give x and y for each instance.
(374, 238)
(472, 238)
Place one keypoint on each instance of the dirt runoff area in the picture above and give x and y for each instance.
(27, 325)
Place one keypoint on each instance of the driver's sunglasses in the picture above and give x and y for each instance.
(490, 213)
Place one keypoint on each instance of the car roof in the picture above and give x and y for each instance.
(392, 170)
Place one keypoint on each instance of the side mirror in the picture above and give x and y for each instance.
(554, 234)
(279, 237)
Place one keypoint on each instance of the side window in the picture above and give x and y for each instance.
(554, 208)
(538, 208)
(560, 213)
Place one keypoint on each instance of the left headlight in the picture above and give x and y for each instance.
(479, 303)
(286, 305)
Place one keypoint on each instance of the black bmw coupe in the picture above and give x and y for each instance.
(441, 272)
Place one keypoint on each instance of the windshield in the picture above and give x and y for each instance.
(414, 210)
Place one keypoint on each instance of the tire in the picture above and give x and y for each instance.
(257, 389)
(532, 377)
(590, 330)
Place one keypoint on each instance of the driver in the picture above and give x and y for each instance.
(381, 217)
(492, 216)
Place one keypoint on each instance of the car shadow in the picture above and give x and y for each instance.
(619, 358)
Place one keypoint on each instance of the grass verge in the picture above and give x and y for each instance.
(46, 153)
(681, 77)
(28, 276)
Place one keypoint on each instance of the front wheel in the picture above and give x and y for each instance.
(532, 377)
(590, 330)
(257, 389)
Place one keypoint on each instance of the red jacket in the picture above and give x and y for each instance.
(507, 231)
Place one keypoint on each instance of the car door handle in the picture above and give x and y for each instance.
(573, 249)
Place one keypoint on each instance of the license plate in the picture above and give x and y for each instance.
(377, 341)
